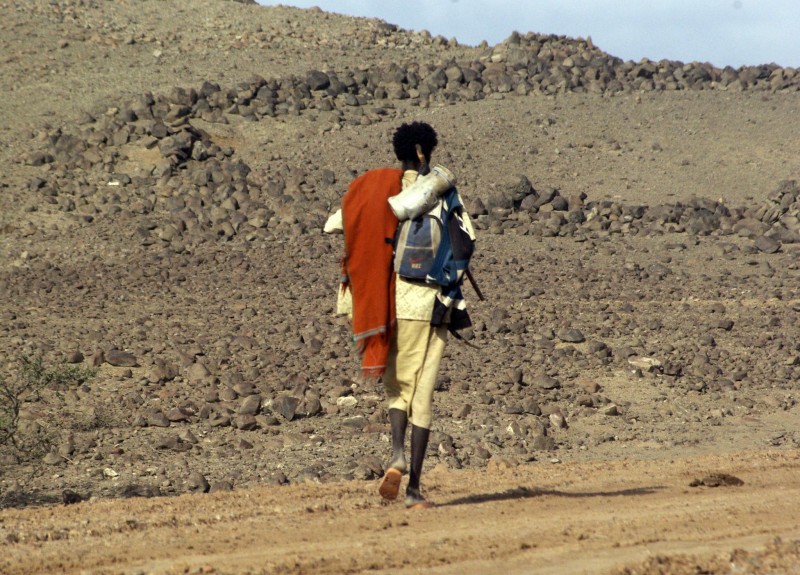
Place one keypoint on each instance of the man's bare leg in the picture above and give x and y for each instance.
(419, 446)
(390, 485)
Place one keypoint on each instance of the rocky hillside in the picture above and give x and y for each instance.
(163, 190)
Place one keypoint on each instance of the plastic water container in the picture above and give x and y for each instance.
(422, 195)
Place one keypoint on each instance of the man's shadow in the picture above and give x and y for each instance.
(527, 492)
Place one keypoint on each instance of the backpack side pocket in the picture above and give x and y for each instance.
(416, 244)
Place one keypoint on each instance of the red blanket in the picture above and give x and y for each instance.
(368, 223)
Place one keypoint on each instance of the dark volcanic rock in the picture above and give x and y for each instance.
(245, 422)
(156, 418)
(251, 405)
(545, 382)
(571, 335)
(767, 245)
(121, 358)
(196, 482)
(318, 80)
(543, 443)
(285, 406)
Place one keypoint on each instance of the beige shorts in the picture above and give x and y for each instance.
(411, 369)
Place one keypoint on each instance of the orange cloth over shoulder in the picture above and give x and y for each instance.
(369, 228)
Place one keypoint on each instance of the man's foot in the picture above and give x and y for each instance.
(398, 462)
(421, 504)
(415, 500)
(390, 484)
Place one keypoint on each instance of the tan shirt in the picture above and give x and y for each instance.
(413, 300)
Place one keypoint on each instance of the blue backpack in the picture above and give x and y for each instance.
(416, 244)
(436, 248)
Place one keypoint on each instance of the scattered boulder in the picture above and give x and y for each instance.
(120, 358)
(285, 406)
(197, 483)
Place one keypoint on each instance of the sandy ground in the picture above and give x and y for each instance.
(549, 518)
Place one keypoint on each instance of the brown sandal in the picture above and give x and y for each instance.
(390, 485)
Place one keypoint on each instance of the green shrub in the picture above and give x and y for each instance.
(27, 385)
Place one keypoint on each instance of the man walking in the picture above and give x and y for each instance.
(400, 326)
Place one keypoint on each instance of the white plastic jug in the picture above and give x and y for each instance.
(420, 197)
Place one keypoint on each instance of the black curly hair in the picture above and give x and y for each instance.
(407, 136)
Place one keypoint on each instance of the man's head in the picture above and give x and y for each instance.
(408, 136)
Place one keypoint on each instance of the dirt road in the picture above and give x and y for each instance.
(543, 518)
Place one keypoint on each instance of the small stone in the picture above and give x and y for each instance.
(162, 373)
(156, 418)
(172, 443)
(219, 420)
(347, 401)
(188, 437)
(197, 373)
(177, 414)
(356, 422)
(544, 381)
(531, 406)
(250, 405)
(672, 368)
(318, 80)
(717, 480)
(610, 409)
(648, 364)
(560, 204)
(591, 386)
(520, 190)
(725, 324)
(245, 422)
(558, 421)
(570, 335)
(513, 409)
(197, 483)
(285, 406)
(70, 497)
(767, 245)
(244, 389)
(120, 358)
(313, 407)
(75, 357)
